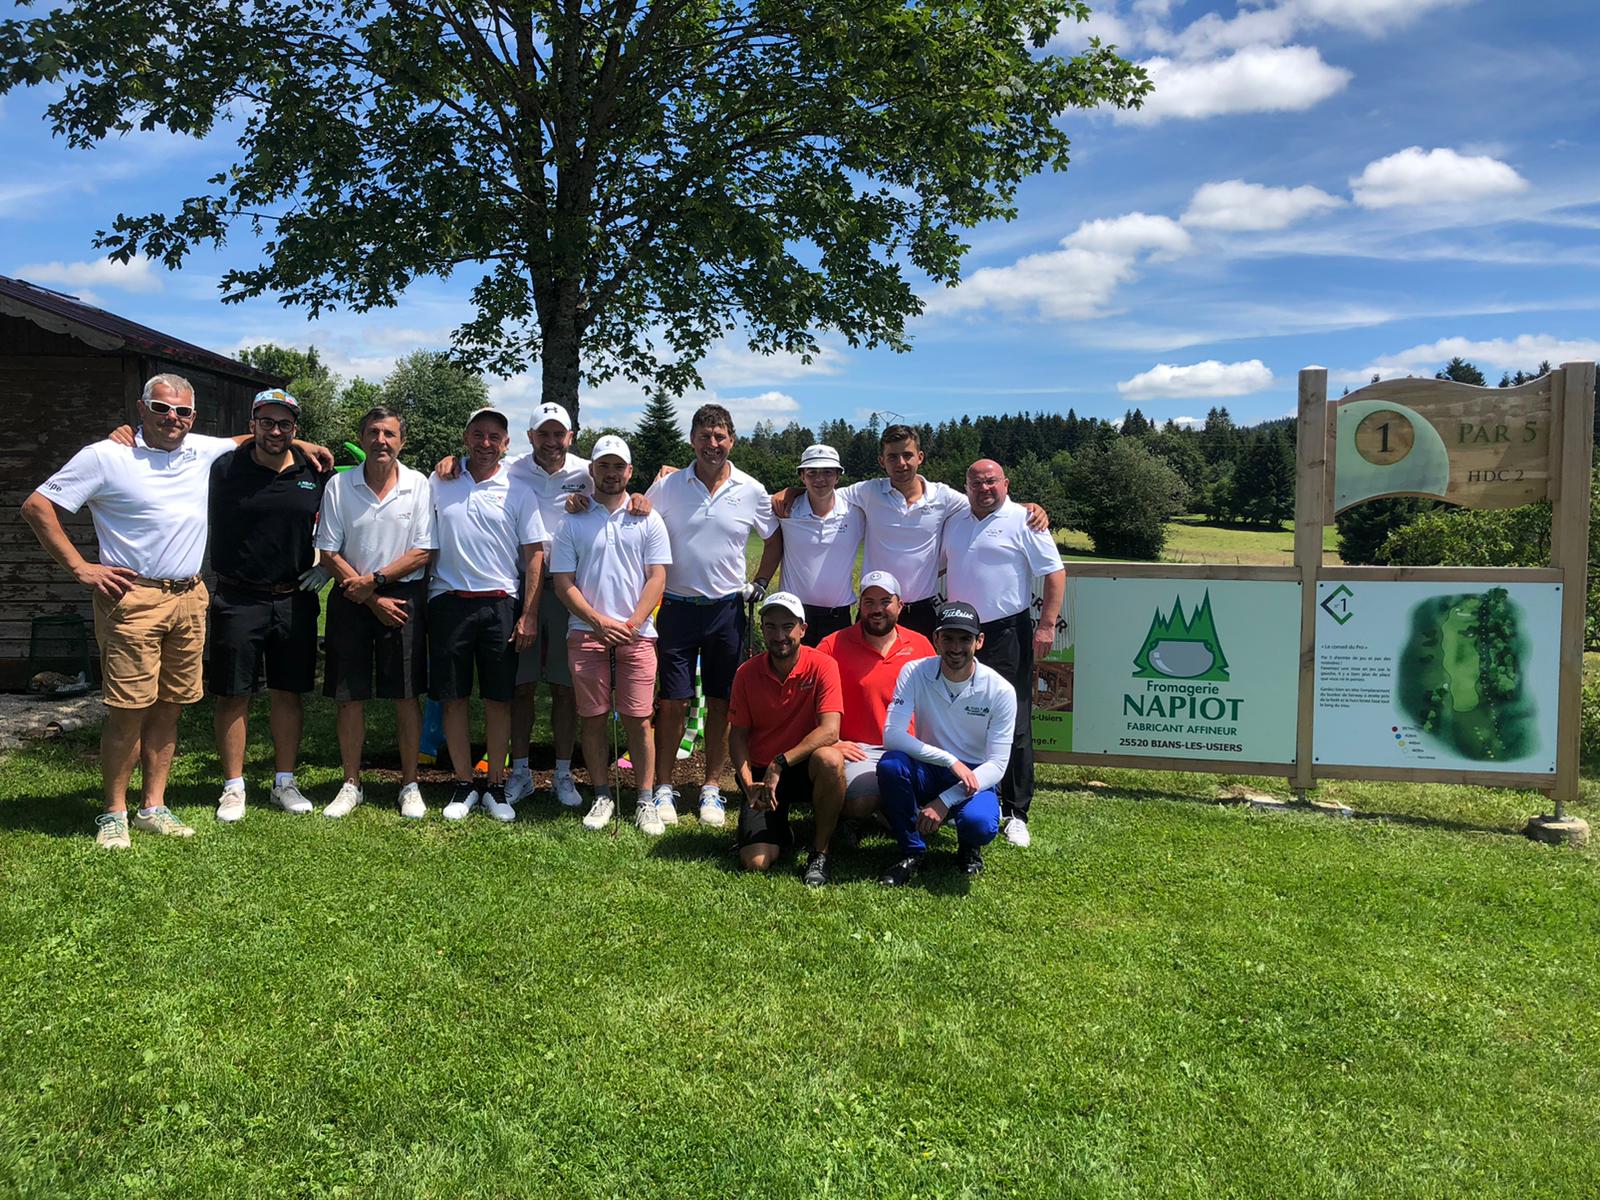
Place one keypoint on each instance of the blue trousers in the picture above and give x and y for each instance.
(905, 784)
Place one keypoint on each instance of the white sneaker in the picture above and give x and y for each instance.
(462, 801)
(230, 805)
(711, 810)
(648, 819)
(599, 813)
(494, 803)
(567, 792)
(1017, 832)
(411, 804)
(290, 798)
(519, 785)
(349, 796)
(667, 804)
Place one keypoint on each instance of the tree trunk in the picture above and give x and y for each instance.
(559, 361)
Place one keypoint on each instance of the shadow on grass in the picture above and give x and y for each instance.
(71, 815)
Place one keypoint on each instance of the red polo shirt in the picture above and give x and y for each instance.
(780, 713)
(868, 677)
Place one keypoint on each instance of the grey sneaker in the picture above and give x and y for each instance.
(111, 831)
(160, 820)
(290, 798)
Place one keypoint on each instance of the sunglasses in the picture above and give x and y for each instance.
(269, 424)
(161, 408)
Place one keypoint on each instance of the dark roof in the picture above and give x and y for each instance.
(108, 331)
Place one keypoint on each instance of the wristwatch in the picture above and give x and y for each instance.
(379, 579)
(780, 761)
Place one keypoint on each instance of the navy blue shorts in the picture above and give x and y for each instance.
(713, 633)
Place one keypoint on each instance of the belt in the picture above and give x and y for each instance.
(494, 594)
(701, 600)
(1016, 618)
(169, 585)
(831, 610)
(265, 589)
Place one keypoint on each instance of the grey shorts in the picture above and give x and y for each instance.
(861, 778)
(546, 660)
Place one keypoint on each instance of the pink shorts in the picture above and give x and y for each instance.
(590, 660)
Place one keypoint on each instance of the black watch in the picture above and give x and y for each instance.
(379, 579)
(780, 761)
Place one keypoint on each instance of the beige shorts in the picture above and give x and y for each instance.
(152, 644)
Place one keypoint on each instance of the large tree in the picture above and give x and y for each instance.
(625, 182)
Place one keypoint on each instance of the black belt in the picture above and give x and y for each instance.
(701, 600)
(1016, 618)
(169, 585)
(261, 589)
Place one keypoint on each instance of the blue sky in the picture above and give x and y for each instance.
(1368, 185)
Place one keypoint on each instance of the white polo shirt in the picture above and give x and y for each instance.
(970, 722)
(819, 553)
(148, 506)
(481, 529)
(369, 533)
(902, 538)
(709, 530)
(552, 487)
(991, 562)
(607, 554)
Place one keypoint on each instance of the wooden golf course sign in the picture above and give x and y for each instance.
(1449, 674)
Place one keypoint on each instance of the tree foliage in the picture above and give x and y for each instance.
(1124, 496)
(436, 396)
(623, 182)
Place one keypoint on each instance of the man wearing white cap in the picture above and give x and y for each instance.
(783, 721)
(609, 568)
(485, 528)
(821, 536)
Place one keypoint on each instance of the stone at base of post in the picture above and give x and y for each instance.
(1564, 830)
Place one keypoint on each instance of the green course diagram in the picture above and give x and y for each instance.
(1460, 676)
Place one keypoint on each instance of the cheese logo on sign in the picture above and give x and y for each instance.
(1179, 647)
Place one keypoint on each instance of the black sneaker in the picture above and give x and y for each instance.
(462, 801)
(494, 803)
(817, 873)
(969, 860)
(901, 872)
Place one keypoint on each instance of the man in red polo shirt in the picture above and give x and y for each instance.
(870, 654)
(783, 721)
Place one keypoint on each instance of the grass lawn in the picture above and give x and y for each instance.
(1162, 998)
(1193, 539)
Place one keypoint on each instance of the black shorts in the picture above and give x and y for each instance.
(466, 632)
(772, 828)
(820, 622)
(714, 633)
(249, 627)
(358, 647)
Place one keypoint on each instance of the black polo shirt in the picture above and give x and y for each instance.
(263, 521)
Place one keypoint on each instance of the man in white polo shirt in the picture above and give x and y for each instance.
(991, 559)
(376, 537)
(485, 528)
(609, 568)
(709, 512)
(947, 770)
(148, 501)
(821, 536)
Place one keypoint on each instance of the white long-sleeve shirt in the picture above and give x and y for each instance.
(969, 722)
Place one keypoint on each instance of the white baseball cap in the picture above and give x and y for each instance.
(489, 412)
(550, 412)
(820, 456)
(785, 600)
(879, 579)
(610, 444)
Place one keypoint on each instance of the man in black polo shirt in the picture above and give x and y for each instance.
(264, 501)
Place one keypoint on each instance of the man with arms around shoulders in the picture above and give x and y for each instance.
(376, 537)
(783, 721)
(905, 515)
(948, 769)
(263, 510)
(148, 501)
(709, 511)
(609, 568)
(991, 560)
(485, 527)
(821, 536)
(871, 654)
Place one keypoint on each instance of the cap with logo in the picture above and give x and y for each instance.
(820, 456)
(610, 445)
(490, 412)
(275, 396)
(879, 579)
(787, 601)
(957, 614)
(550, 412)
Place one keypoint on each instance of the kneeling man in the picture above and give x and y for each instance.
(963, 713)
(783, 722)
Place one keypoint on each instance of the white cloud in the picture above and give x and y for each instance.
(1077, 281)
(1280, 23)
(1494, 355)
(1189, 422)
(1438, 176)
(1237, 206)
(1253, 79)
(1165, 381)
(136, 275)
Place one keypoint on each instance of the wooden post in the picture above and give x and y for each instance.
(1311, 475)
(1569, 551)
